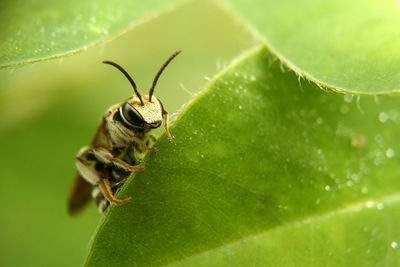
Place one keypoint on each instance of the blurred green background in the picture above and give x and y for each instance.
(49, 110)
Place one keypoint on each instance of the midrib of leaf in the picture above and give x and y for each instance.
(355, 207)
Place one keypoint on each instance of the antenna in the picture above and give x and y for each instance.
(160, 71)
(128, 77)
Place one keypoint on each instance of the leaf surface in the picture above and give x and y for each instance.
(347, 46)
(38, 30)
(263, 168)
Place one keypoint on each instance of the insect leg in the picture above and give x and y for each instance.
(107, 192)
(143, 144)
(105, 156)
(165, 119)
(131, 134)
(153, 138)
(86, 162)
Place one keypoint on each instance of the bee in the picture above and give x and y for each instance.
(118, 147)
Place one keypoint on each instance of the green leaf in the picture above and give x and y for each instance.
(347, 46)
(38, 30)
(263, 169)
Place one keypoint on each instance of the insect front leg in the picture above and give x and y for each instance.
(165, 119)
(106, 157)
(132, 136)
(153, 138)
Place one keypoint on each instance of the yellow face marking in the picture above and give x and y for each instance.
(150, 111)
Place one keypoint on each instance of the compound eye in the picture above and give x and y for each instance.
(132, 116)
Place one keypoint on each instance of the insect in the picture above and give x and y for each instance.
(118, 147)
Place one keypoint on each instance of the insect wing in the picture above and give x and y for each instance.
(98, 138)
(79, 196)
